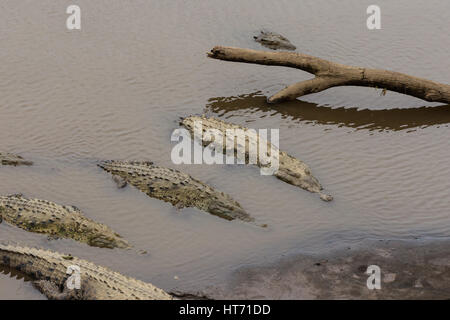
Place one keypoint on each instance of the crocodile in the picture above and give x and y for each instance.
(274, 41)
(177, 188)
(56, 220)
(50, 272)
(290, 170)
(10, 159)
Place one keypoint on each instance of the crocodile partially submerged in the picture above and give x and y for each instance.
(57, 221)
(177, 188)
(49, 270)
(10, 159)
(274, 41)
(291, 170)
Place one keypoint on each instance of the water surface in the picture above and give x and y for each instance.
(117, 88)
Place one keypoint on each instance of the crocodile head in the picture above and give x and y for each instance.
(9, 159)
(274, 41)
(104, 241)
(228, 209)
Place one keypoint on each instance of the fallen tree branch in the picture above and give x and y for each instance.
(330, 74)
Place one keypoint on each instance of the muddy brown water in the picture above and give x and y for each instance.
(117, 88)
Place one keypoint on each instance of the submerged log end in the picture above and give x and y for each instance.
(277, 98)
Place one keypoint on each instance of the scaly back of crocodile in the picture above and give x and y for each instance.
(291, 170)
(56, 220)
(102, 283)
(175, 187)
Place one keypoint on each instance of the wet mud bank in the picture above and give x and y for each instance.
(409, 270)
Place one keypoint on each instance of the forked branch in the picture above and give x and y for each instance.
(330, 74)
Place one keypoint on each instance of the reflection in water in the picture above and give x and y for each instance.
(387, 119)
(15, 285)
(13, 273)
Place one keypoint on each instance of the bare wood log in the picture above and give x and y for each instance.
(330, 74)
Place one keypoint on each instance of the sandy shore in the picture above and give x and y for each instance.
(409, 270)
